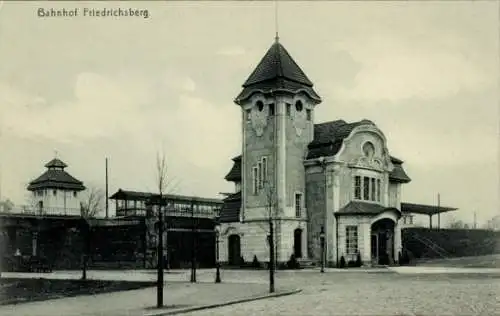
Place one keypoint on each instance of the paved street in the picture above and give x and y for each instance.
(344, 292)
(377, 294)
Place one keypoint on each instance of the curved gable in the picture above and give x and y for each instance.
(353, 149)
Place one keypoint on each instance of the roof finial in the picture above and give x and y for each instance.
(55, 153)
(276, 20)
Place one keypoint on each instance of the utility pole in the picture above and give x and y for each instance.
(475, 220)
(193, 245)
(107, 192)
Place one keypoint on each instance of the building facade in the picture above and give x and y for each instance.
(189, 226)
(334, 177)
(56, 192)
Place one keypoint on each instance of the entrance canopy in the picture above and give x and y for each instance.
(365, 208)
(425, 209)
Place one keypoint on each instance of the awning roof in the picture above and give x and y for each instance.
(147, 196)
(425, 209)
(364, 208)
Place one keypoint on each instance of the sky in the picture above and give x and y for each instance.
(127, 88)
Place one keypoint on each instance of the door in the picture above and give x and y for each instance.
(374, 248)
(297, 243)
(382, 249)
(234, 249)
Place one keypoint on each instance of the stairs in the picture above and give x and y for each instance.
(431, 245)
(307, 263)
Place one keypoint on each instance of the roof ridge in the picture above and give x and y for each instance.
(278, 62)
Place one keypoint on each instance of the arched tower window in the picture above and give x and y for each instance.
(260, 105)
(299, 106)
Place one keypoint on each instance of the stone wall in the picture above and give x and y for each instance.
(364, 227)
(316, 210)
(253, 239)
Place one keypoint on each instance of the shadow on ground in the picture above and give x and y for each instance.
(15, 291)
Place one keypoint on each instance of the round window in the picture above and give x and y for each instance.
(260, 105)
(298, 105)
(368, 149)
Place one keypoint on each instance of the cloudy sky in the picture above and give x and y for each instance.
(425, 72)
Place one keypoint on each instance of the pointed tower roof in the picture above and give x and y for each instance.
(56, 163)
(55, 177)
(277, 63)
(277, 71)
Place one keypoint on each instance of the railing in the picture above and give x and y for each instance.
(45, 211)
(431, 245)
(132, 211)
(170, 211)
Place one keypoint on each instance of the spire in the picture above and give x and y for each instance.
(277, 71)
(276, 21)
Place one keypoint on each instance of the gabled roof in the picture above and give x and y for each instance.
(398, 174)
(328, 137)
(235, 172)
(56, 178)
(364, 208)
(230, 212)
(277, 71)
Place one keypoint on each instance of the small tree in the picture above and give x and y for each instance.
(92, 203)
(342, 262)
(359, 263)
(255, 262)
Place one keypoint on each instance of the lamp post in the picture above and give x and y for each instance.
(322, 241)
(217, 263)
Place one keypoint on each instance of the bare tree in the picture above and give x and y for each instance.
(92, 203)
(162, 182)
(271, 206)
(32, 204)
(456, 224)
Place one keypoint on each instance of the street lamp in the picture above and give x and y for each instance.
(322, 241)
(217, 263)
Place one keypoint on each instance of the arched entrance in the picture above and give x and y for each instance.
(234, 249)
(382, 241)
(297, 243)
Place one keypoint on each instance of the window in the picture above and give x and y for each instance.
(248, 115)
(255, 179)
(264, 169)
(260, 174)
(271, 109)
(288, 109)
(54, 192)
(298, 204)
(373, 196)
(351, 241)
(260, 105)
(75, 193)
(357, 187)
(378, 190)
(368, 149)
(298, 105)
(366, 188)
(308, 114)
